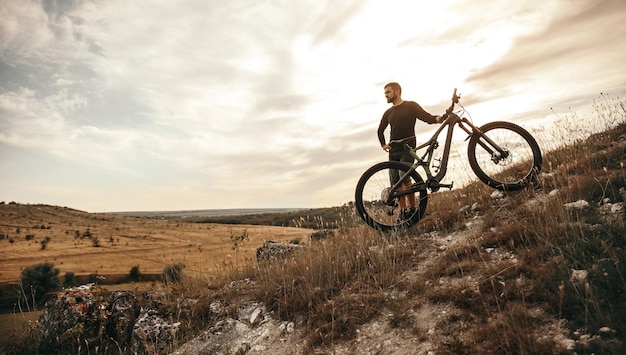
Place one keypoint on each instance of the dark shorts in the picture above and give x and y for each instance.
(404, 157)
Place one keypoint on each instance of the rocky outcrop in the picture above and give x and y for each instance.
(76, 317)
(123, 311)
(253, 331)
(152, 334)
(79, 320)
(275, 250)
(70, 316)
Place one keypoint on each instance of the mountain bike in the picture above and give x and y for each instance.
(502, 154)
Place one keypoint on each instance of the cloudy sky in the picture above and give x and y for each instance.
(173, 105)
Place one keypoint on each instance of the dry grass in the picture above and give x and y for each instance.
(509, 281)
(501, 268)
(124, 242)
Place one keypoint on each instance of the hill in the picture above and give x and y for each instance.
(536, 271)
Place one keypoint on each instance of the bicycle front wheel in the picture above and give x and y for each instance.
(505, 156)
(373, 190)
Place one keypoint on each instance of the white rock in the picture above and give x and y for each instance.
(255, 315)
(579, 275)
(606, 330)
(616, 208)
(565, 342)
(497, 195)
(580, 204)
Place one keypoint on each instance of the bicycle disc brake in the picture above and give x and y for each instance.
(384, 197)
(502, 159)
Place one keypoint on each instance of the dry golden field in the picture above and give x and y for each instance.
(123, 242)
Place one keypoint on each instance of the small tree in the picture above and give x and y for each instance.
(134, 273)
(39, 279)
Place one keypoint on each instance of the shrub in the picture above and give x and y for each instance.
(45, 242)
(134, 273)
(69, 279)
(39, 279)
(173, 273)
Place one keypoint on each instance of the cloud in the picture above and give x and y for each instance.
(575, 49)
(196, 101)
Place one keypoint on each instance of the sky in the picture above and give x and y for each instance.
(163, 105)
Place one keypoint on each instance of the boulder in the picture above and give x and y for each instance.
(76, 317)
(152, 334)
(275, 250)
(72, 317)
(123, 310)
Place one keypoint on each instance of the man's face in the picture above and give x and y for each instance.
(390, 94)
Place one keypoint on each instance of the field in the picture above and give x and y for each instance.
(104, 248)
(110, 245)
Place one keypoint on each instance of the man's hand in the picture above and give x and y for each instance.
(386, 147)
(439, 119)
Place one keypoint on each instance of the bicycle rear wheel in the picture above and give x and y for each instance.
(513, 169)
(371, 195)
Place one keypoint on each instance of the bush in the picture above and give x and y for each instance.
(173, 273)
(134, 273)
(69, 279)
(39, 279)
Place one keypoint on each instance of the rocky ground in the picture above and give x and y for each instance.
(253, 330)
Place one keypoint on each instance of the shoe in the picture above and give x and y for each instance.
(406, 214)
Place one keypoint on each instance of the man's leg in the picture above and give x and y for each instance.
(409, 200)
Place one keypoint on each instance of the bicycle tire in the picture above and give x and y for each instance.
(370, 205)
(510, 173)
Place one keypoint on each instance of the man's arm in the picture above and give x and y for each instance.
(422, 115)
(381, 132)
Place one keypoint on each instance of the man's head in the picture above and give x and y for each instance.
(393, 92)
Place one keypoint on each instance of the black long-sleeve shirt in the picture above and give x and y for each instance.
(402, 119)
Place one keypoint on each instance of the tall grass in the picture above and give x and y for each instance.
(517, 273)
(513, 275)
(333, 287)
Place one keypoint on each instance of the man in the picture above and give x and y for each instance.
(401, 116)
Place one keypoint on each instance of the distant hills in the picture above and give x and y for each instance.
(204, 213)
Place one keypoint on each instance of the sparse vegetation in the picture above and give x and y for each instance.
(318, 218)
(173, 273)
(134, 273)
(69, 279)
(37, 280)
(536, 271)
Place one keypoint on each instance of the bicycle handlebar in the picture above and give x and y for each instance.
(455, 100)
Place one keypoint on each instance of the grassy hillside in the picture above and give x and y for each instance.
(315, 218)
(537, 271)
(515, 274)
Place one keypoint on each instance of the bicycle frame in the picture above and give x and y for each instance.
(433, 181)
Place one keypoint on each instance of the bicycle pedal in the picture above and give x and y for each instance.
(447, 186)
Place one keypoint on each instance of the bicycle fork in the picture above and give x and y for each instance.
(495, 151)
